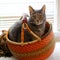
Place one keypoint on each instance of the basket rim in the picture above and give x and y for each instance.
(38, 51)
(50, 29)
(30, 42)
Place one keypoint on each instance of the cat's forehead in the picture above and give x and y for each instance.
(37, 12)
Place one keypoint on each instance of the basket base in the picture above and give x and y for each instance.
(41, 57)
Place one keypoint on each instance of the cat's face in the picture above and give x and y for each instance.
(37, 16)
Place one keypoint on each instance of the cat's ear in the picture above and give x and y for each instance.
(31, 10)
(43, 9)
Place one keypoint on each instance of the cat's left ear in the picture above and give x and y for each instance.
(31, 10)
(43, 9)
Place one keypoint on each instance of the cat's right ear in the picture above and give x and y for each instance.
(43, 8)
(31, 10)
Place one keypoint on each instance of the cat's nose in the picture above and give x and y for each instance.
(37, 20)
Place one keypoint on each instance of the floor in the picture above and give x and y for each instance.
(55, 55)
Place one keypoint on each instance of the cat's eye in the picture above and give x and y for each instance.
(34, 16)
(40, 17)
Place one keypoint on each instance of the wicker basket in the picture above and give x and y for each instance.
(34, 50)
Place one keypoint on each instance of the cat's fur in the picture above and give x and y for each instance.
(36, 23)
(37, 20)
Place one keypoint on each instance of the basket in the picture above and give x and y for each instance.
(33, 50)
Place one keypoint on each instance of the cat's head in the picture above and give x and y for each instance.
(37, 16)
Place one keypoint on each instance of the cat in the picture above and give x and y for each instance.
(37, 20)
(36, 23)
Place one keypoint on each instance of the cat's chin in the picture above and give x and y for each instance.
(38, 24)
(34, 24)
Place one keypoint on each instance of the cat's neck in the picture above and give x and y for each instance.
(35, 26)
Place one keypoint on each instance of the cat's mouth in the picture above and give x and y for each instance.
(38, 23)
(34, 24)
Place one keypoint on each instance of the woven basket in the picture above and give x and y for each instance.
(34, 50)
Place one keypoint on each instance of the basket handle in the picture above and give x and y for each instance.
(25, 26)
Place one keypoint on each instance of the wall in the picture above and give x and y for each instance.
(58, 14)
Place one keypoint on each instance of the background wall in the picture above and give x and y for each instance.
(58, 14)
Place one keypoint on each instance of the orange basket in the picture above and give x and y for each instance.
(38, 49)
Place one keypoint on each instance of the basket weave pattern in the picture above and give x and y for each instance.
(32, 47)
(39, 50)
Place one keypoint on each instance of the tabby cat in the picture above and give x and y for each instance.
(36, 23)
